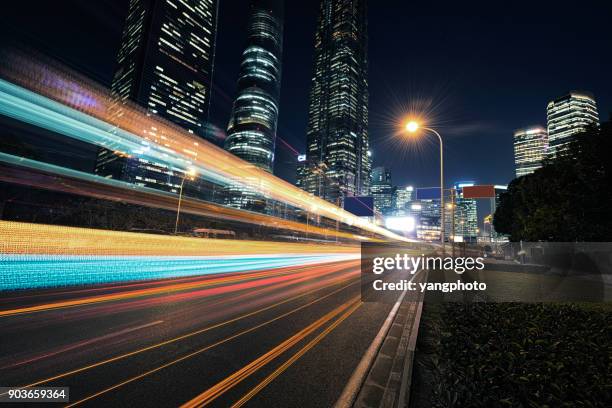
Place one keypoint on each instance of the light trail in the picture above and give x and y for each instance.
(224, 280)
(206, 329)
(211, 346)
(223, 386)
(283, 367)
(29, 239)
(32, 173)
(75, 107)
(35, 256)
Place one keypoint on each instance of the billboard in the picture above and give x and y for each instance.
(362, 206)
(428, 193)
(483, 191)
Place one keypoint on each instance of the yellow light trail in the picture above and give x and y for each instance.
(294, 358)
(223, 386)
(28, 238)
(201, 350)
(38, 174)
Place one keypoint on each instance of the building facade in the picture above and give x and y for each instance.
(426, 214)
(165, 64)
(337, 135)
(464, 219)
(382, 191)
(568, 115)
(251, 132)
(530, 147)
(403, 198)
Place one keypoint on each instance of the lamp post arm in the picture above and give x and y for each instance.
(442, 209)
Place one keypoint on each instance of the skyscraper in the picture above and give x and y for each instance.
(568, 115)
(337, 136)
(252, 126)
(530, 146)
(382, 190)
(165, 64)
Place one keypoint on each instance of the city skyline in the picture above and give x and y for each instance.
(474, 123)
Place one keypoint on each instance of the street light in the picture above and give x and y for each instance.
(412, 127)
(191, 173)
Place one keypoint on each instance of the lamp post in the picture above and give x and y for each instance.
(191, 173)
(412, 127)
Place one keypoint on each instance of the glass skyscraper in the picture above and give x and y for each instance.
(164, 64)
(570, 114)
(337, 147)
(530, 147)
(252, 126)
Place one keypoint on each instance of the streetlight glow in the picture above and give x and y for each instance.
(412, 126)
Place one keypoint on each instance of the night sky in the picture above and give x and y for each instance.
(478, 73)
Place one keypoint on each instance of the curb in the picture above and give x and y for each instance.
(383, 376)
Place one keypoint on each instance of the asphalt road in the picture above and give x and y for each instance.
(277, 338)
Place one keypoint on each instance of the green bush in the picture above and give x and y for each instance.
(519, 355)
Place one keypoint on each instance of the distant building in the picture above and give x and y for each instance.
(337, 135)
(426, 214)
(251, 132)
(301, 171)
(570, 114)
(465, 216)
(382, 190)
(530, 147)
(403, 197)
(164, 64)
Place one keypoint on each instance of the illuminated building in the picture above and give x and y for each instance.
(568, 115)
(301, 170)
(403, 197)
(465, 216)
(165, 64)
(337, 135)
(252, 127)
(426, 214)
(382, 190)
(530, 146)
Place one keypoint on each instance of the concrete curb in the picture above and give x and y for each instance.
(351, 390)
(383, 375)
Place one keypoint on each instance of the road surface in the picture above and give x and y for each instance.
(274, 338)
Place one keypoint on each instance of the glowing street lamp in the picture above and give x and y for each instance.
(190, 173)
(412, 127)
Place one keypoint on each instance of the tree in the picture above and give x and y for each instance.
(568, 199)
